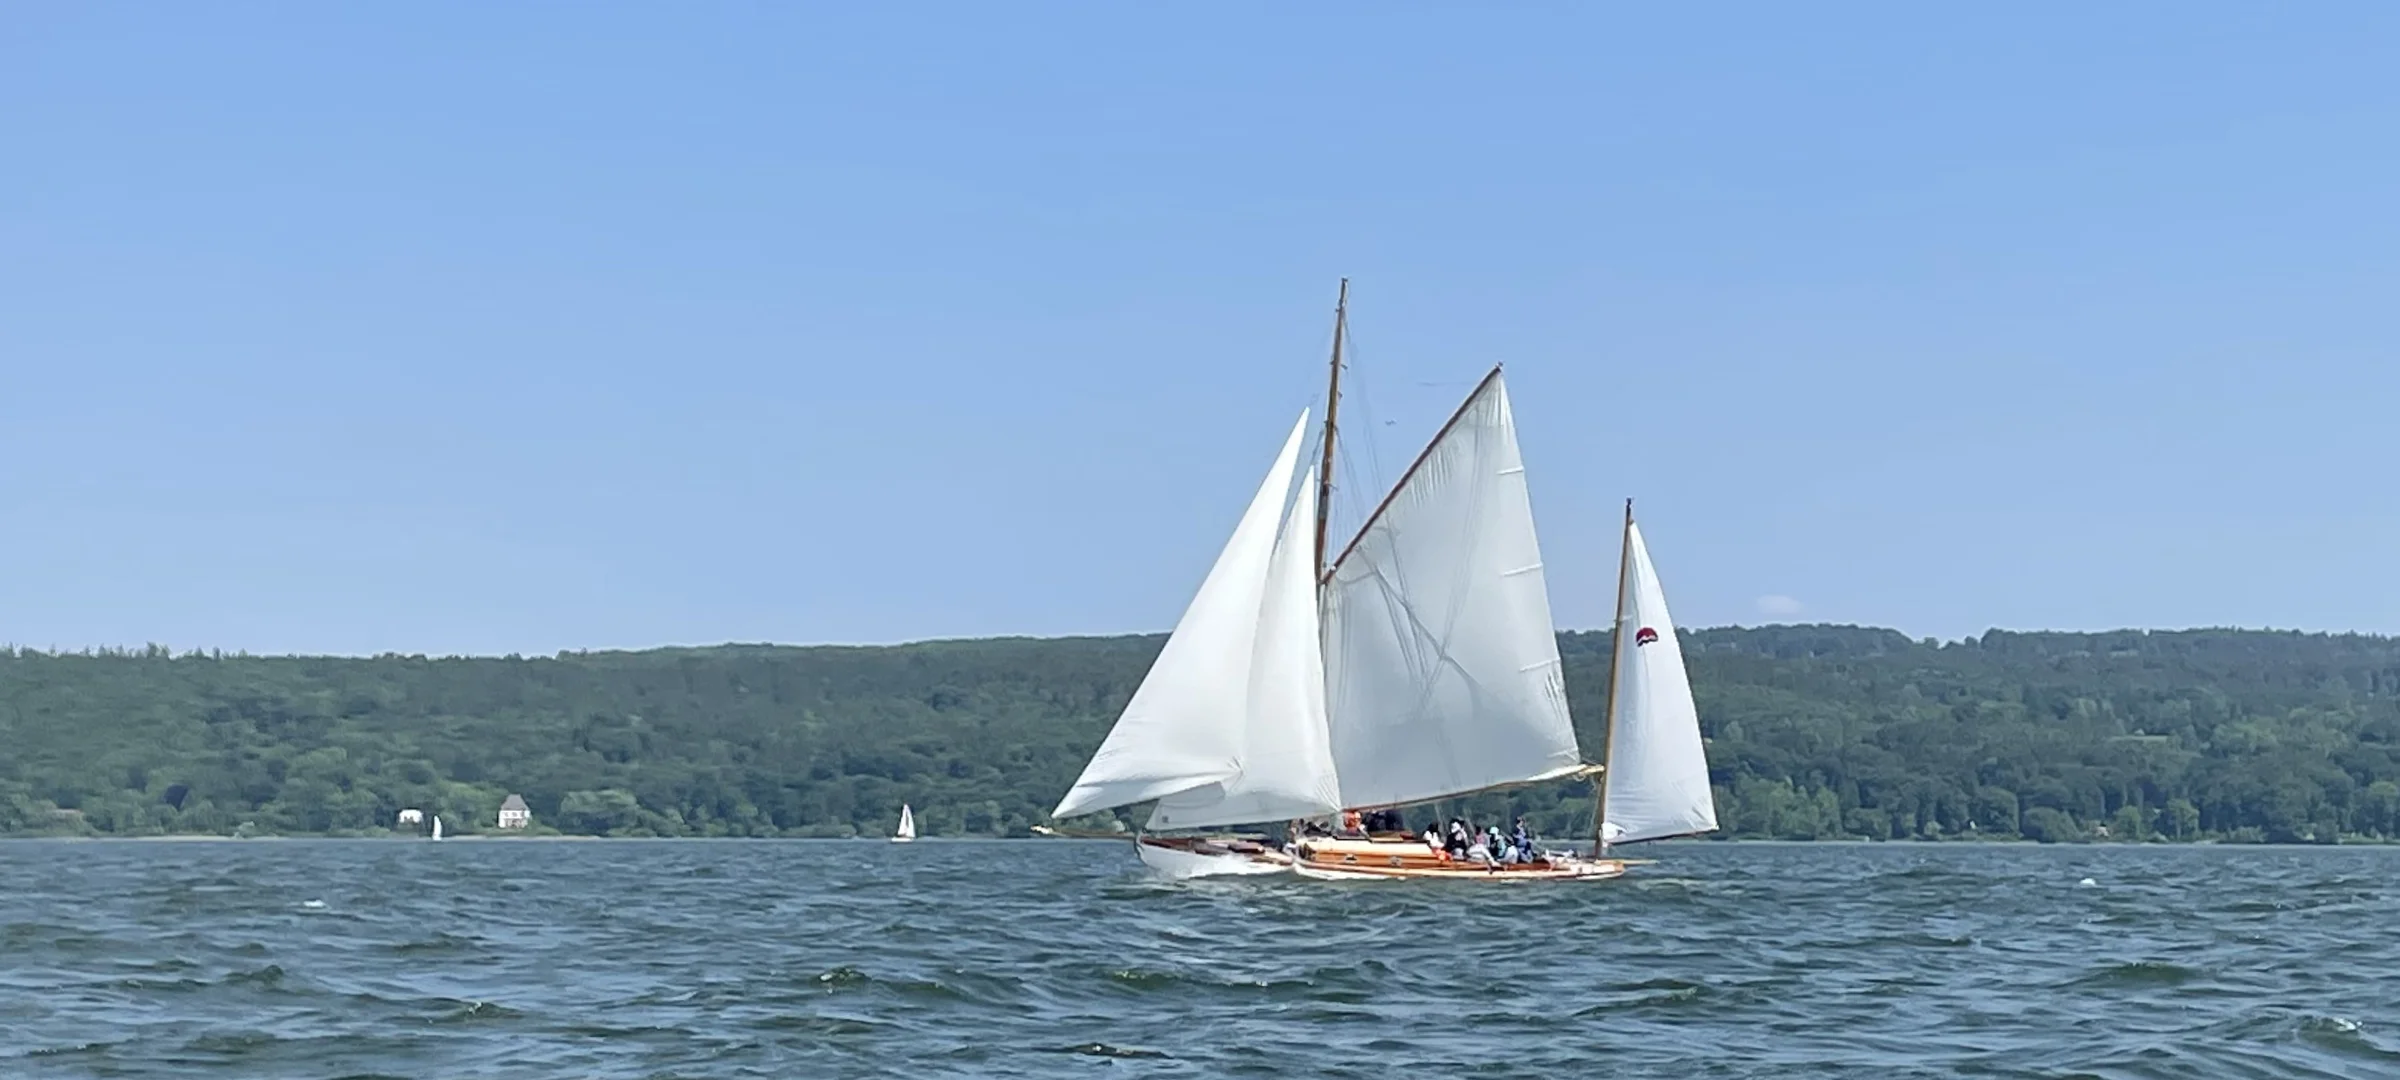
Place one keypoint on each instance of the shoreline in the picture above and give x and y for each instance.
(204, 838)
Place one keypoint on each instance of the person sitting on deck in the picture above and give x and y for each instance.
(1480, 850)
(1457, 840)
(1524, 841)
(1433, 839)
(1351, 826)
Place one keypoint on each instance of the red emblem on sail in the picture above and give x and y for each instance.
(1644, 636)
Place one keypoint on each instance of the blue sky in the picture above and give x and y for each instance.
(452, 327)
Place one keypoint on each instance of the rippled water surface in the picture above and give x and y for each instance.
(275, 959)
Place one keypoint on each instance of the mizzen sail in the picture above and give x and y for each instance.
(1657, 779)
(1442, 668)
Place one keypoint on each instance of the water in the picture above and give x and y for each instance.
(275, 959)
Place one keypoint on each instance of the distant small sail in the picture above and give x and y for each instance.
(437, 826)
(908, 824)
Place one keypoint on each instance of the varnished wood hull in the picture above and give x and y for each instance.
(1372, 860)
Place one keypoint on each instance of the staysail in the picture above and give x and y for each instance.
(1188, 724)
(1442, 668)
(1286, 765)
(1657, 780)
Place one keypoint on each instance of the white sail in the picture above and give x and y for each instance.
(1657, 779)
(908, 824)
(1186, 724)
(1441, 663)
(1286, 764)
(437, 826)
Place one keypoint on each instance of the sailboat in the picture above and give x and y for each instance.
(908, 826)
(1418, 664)
(437, 826)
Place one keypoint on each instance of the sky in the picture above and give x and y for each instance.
(470, 328)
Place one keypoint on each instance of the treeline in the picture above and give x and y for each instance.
(1814, 732)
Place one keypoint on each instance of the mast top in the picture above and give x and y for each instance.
(1333, 405)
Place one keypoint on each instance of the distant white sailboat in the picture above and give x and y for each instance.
(908, 826)
(437, 826)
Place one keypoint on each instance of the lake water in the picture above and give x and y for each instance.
(275, 959)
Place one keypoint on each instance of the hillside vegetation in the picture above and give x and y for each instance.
(1814, 732)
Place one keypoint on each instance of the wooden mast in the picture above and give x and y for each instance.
(1333, 404)
(1616, 650)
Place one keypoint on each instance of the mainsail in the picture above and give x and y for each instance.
(1187, 730)
(908, 824)
(1442, 667)
(1657, 780)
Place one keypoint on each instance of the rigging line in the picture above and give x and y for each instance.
(1364, 392)
(1355, 490)
(1459, 581)
(1399, 621)
(1358, 488)
(1373, 516)
(1428, 657)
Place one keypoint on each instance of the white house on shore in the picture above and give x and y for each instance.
(412, 817)
(514, 814)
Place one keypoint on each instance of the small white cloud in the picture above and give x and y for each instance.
(1778, 606)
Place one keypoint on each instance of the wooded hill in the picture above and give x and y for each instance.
(1814, 732)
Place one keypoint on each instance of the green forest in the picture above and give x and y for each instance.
(1814, 732)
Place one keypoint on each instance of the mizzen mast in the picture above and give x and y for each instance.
(1333, 403)
(1608, 725)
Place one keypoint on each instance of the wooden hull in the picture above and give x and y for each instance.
(1209, 856)
(1379, 860)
